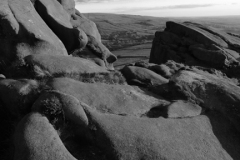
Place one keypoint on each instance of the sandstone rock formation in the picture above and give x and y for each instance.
(47, 65)
(23, 32)
(142, 76)
(47, 27)
(182, 105)
(194, 44)
(57, 18)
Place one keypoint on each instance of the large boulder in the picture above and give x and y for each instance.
(206, 137)
(94, 39)
(163, 47)
(116, 99)
(23, 32)
(47, 65)
(168, 69)
(232, 41)
(143, 76)
(210, 91)
(177, 109)
(216, 57)
(36, 139)
(58, 20)
(162, 53)
(88, 54)
(101, 51)
(195, 33)
(182, 109)
(195, 45)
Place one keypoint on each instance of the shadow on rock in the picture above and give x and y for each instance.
(226, 134)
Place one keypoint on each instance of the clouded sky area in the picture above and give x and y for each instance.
(161, 8)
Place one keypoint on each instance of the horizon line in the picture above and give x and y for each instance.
(234, 15)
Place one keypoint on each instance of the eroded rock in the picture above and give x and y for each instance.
(210, 91)
(143, 75)
(58, 20)
(47, 65)
(70, 106)
(117, 99)
(36, 139)
(202, 137)
(195, 45)
(23, 32)
(94, 39)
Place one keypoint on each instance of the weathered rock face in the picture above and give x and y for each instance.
(209, 91)
(159, 138)
(46, 27)
(196, 33)
(49, 65)
(142, 76)
(36, 139)
(70, 105)
(116, 99)
(54, 106)
(88, 26)
(195, 45)
(58, 20)
(88, 54)
(94, 39)
(23, 32)
(101, 51)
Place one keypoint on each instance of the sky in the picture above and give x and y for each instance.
(161, 8)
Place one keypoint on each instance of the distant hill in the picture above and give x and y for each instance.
(120, 31)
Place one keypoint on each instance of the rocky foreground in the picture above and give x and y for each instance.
(60, 98)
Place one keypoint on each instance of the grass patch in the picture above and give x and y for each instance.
(52, 109)
(113, 77)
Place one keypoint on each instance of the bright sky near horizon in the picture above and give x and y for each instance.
(161, 8)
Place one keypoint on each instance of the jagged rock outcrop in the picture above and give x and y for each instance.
(195, 45)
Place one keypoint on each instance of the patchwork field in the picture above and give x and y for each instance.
(130, 36)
